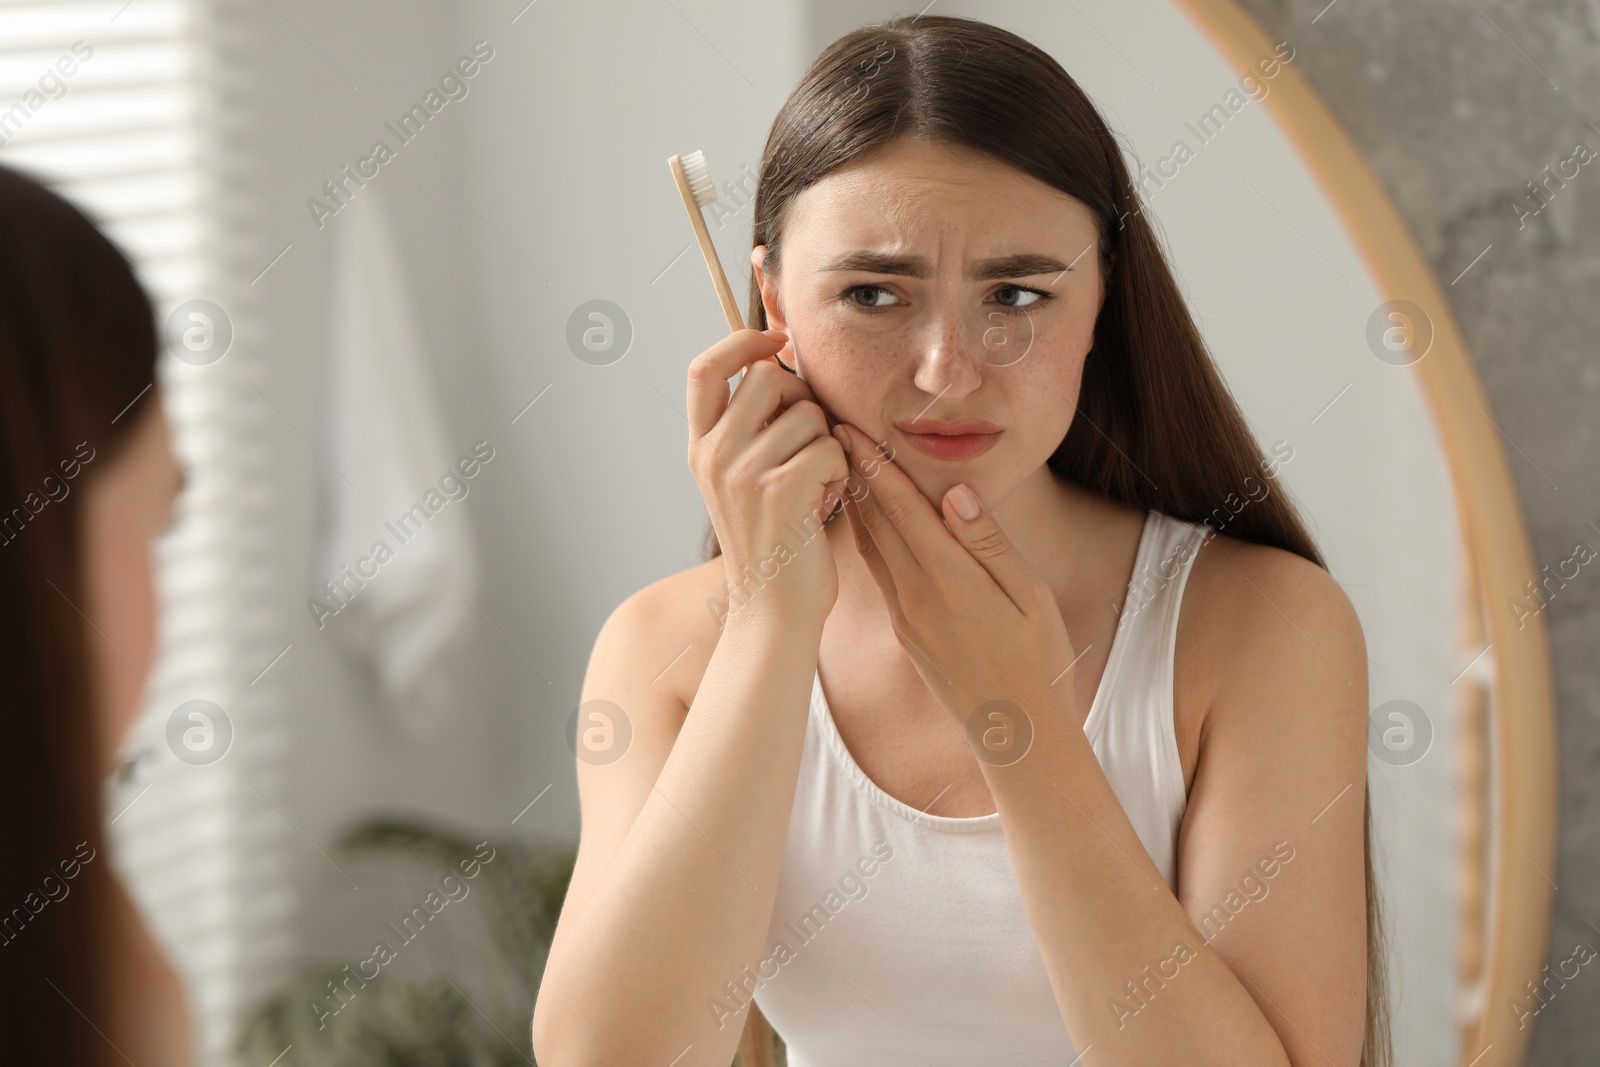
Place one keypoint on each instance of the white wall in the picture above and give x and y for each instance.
(346, 757)
(567, 151)
(557, 155)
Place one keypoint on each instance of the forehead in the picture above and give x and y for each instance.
(955, 198)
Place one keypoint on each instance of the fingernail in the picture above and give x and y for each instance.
(776, 335)
(843, 436)
(965, 501)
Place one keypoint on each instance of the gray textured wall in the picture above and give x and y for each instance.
(1459, 106)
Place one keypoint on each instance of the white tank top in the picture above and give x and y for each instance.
(899, 937)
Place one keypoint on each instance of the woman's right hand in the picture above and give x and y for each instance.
(770, 471)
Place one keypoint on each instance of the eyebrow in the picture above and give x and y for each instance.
(1021, 265)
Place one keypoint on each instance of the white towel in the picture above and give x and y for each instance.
(383, 435)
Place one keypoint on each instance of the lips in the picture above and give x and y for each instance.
(965, 439)
(949, 429)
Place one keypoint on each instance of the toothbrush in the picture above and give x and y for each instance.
(693, 176)
(695, 186)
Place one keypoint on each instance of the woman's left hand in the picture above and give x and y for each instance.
(978, 621)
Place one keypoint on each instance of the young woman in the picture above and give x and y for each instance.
(87, 478)
(952, 780)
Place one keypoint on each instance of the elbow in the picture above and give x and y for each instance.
(547, 1045)
(563, 1038)
(558, 1037)
(539, 1041)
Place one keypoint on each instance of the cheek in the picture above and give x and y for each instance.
(119, 600)
(1042, 393)
(847, 369)
(1050, 370)
(1063, 340)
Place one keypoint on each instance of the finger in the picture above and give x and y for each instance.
(880, 570)
(976, 529)
(787, 434)
(764, 393)
(898, 517)
(824, 463)
(708, 391)
(788, 357)
(788, 399)
(836, 491)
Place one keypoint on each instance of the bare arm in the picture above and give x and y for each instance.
(1218, 973)
(683, 835)
(678, 862)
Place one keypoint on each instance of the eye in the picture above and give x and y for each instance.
(1014, 304)
(1040, 297)
(848, 296)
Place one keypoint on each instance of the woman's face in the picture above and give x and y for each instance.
(125, 507)
(900, 305)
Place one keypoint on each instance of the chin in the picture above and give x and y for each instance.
(933, 491)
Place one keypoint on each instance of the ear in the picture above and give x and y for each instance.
(769, 289)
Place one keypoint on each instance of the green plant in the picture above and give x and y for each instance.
(430, 1021)
(436, 1020)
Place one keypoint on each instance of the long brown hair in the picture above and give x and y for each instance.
(77, 346)
(1155, 426)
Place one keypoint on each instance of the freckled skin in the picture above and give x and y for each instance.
(947, 346)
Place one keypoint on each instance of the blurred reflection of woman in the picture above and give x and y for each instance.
(87, 479)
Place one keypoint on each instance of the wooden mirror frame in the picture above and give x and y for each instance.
(1505, 943)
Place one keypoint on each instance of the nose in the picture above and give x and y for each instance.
(950, 359)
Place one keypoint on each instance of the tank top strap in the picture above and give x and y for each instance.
(1131, 726)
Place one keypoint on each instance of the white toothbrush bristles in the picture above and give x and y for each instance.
(698, 172)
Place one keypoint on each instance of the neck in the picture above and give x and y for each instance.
(150, 1020)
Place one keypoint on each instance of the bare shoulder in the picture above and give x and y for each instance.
(646, 662)
(1259, 614)
(669, 628)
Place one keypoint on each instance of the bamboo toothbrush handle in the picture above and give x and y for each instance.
(730, 308)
